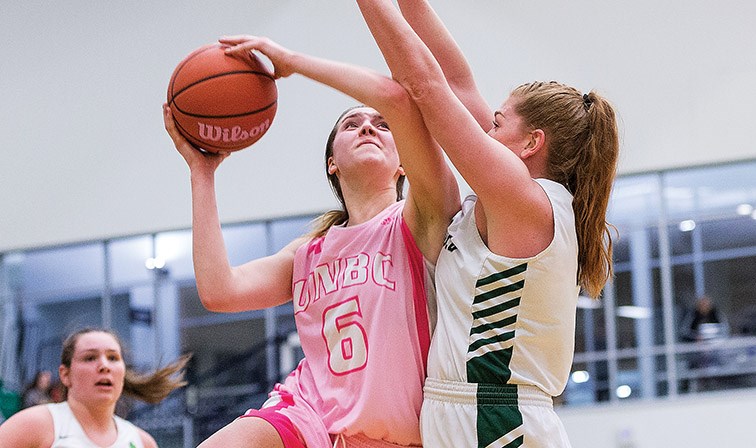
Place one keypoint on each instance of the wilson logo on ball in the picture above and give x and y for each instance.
(213, 133)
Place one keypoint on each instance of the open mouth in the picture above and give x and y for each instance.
(105, 383)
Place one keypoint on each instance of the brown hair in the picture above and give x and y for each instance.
(583, 143)
(322, 223)
(151, 388)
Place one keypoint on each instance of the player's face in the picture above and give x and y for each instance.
(97, 369)
(509, 128)
(363, 140)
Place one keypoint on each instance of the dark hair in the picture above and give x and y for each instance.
(583, 143)
(151, 388)
(335, 217)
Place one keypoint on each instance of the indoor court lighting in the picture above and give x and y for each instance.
(586, 302)
(580, 376)
(154, 263)
(687, 225)
(624, 391)
(744, 209)
(634, 312)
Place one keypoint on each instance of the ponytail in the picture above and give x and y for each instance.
(154, 387)
(583, 152)
(594, 178)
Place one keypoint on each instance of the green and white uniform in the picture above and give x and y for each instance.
(70, 434)
(504, 341)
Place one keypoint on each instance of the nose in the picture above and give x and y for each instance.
(104, 365)
(367, 128)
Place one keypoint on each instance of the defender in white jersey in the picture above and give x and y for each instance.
(518, 252)
(505, 336)
(360, 282)
(94, 374)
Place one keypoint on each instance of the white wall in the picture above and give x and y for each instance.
(83, 154)
(700, 421)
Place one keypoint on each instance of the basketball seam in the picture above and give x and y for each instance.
(189, 114)
(181, 66)
(236, 72)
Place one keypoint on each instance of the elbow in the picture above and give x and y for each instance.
(396, 100)
(213, 299)
(419, 89)
(402, 98)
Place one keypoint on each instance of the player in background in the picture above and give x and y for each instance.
(93, 370)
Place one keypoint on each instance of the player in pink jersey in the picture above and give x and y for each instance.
(359, 282)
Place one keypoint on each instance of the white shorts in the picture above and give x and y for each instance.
(474, 415)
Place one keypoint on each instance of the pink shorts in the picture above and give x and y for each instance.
(300, 426)
(295, 421)
(282, 424)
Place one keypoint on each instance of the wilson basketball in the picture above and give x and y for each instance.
(222, 103)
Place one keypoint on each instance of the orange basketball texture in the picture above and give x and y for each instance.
(222, 103)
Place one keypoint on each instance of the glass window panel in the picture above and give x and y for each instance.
(587, 384)
(227, 353)
(680, 242)
(634, 202)
(629, 380)
(127, 258)
(245, 242)
(733, 233)
(285, 230)
(175, 249)
(623, 297)
(590, 331)
(189, 303)
(731, 284)
(685, 294)
(662, 385)
(657, 309)
(61, 272)
(711, 191)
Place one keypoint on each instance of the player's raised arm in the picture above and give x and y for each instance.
(429, 27)
(433, 196)
(259, 283)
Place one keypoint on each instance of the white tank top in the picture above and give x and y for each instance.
(70, 434)
(506, 320)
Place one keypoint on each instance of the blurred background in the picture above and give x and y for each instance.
(95, 209)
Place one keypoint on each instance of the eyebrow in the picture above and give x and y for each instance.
(97, 350)
(363, 114)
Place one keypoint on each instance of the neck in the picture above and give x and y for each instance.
(96, 419)
(363, 207)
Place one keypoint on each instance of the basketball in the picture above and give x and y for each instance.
(222, 103)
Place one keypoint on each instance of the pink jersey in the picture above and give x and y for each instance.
(360, 306)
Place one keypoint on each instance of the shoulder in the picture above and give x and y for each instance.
(128, 427)
(16, 432)
(147, 439)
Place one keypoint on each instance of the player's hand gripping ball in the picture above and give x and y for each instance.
(222, 103)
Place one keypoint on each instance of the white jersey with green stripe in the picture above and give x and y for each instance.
(507, 320)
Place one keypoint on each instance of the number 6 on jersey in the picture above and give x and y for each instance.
(345, 337)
